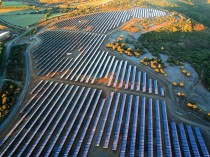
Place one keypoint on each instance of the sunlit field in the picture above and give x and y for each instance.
(22, 20)
(95, 3)
(13, 3)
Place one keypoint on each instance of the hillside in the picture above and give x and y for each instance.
(66, 2)
(194, 44)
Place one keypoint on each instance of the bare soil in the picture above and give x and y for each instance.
(195, 91)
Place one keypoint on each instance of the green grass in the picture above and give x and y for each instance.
(13, 3)
(15, 12)
(74, 4)
(56, 15)
(22, 20)
(16, 63)
(1, 54)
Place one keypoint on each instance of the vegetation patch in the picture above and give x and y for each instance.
(9, 93)
(32, 31)
(2, 50)
(13, 3)
(155, 63)
(10, 10)
(145, 25)
(2, 27)
(16, 63)
(193, 107)
(53, 15)
(184, 41)
(121, 46)
(22, 20)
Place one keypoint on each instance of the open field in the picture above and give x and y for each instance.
(5, 11)
(12, 7)
(94, 3)
(10, 10)
(22, 20)
(12, 3)
(56, 15)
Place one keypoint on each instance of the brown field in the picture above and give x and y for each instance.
(132, 26)
(93, 3)
(135, 26)
(7, 10)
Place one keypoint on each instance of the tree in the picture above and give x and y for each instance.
(199, 27)
(4, 100)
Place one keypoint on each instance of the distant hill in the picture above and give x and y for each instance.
(49, 1)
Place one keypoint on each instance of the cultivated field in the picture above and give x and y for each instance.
(12, 3)
(22, 20)
(10, 11)
(55, 15)
(15, 7)
(94, 3)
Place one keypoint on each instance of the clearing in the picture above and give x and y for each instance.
(10, 10)
(94, 3)
(22, 20)
(13, 3)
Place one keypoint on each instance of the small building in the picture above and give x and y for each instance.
(4, 35)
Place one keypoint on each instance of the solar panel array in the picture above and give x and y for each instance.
(105, 21)
(90, 65)
(51, 57)
(146, 130)
(55, 115)
(67, 120)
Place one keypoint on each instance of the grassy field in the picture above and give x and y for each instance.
(55, 15)
(6, 11)
(22, 20)
(94, 3)
(13, 3)
(11, 10)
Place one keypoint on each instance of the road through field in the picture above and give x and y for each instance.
(26, 82)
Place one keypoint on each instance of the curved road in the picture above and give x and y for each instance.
(11, 25)
(26, 83)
